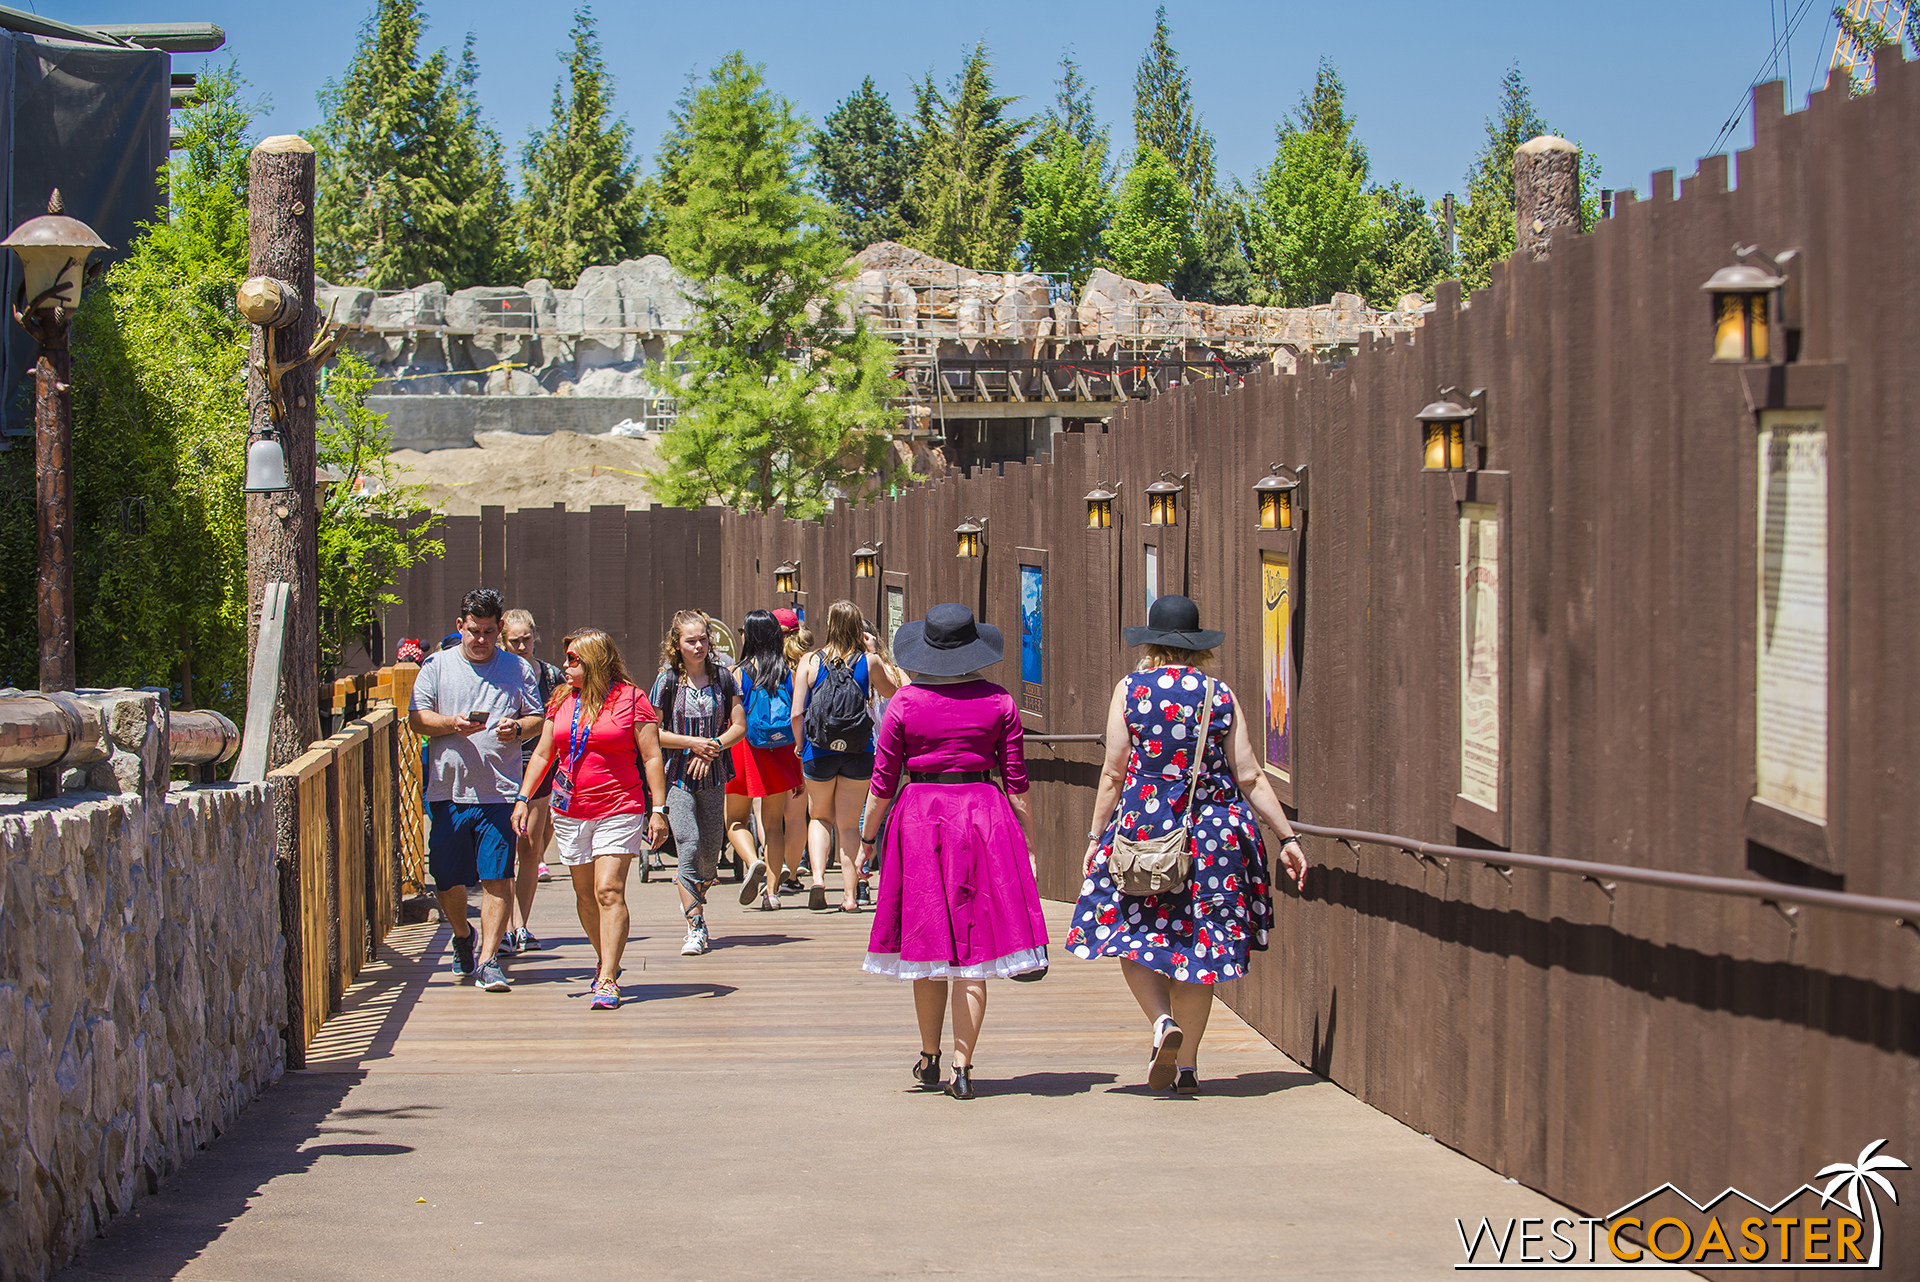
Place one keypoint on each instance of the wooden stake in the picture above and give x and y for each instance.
(282, 540)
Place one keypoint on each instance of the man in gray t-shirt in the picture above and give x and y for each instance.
(476, 703)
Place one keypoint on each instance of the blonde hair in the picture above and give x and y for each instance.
(601, 667)
(844, 638)
(670, 656)
(519, 619)
(1172, 656)
(797, 643)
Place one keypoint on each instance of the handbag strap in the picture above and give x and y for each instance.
(1199, 752)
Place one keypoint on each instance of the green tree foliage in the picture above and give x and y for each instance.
(1410, 252)
(1213, 264)
(1163, 114)
(861, 161)
(1485, 221)
(1152, 221)
(1067, 188)
(412, 182)
(782, 388)
(1902, 21)
(581, 204)
(364, 540)
(967, 175)
(160, 434)
(1311, 223)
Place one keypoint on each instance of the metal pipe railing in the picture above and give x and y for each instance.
(1905, 912)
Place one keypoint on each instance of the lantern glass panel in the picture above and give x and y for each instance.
(1729, 327)
(1757, 327)
(863, 567)
(1435, 458)
(1269, 510)
(1286, 509)
(1456, 447)
(1099, 514)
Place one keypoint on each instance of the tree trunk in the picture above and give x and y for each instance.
(53, 486)
(282, 541)
(1546, 186)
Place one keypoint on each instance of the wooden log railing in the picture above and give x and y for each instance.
(338, 835)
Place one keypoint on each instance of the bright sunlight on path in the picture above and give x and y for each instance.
(748, 1114)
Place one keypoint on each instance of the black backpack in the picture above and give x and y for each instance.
(837, 719)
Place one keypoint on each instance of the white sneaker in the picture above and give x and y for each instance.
(706, 943)
(769, 902)
(696, 941)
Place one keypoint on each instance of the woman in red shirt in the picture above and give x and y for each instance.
(602, 731)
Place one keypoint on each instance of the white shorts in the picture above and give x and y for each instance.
(581, 841)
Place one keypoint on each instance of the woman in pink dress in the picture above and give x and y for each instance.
(958, 905)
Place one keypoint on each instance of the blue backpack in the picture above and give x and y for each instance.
(770, 716)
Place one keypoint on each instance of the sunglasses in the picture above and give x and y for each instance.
(572, 657)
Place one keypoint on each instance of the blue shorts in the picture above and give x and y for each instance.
(469, 842)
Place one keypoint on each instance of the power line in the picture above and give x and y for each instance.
(1783, 40)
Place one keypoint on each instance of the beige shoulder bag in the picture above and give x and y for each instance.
(1161, 865)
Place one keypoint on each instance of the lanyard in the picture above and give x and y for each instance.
(577, 742)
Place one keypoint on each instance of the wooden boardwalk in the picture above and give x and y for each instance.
(749, 1114)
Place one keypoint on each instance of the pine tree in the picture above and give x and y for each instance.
(1152, 220)
(411, 182)
(782, 389)
(967, 174)
(1409, 254)
(1163, 115)
(1067, 188)
(581, 205)
(860, 160)
(1485, 224)
(1311, 221)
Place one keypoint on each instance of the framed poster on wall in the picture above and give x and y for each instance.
(1481, 804)
(893, 603)
(1798, 577)
(1032, 563)
(1276, 662)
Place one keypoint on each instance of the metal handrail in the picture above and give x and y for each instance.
(1906, 912)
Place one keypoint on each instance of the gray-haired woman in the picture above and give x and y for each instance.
(1174, 946)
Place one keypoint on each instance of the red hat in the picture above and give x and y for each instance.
(787, 620)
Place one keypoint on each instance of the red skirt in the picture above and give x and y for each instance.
(762, 772)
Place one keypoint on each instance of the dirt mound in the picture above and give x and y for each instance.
(515, 470)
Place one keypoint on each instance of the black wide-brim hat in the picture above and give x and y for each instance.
(1174, 621)
(947, 643)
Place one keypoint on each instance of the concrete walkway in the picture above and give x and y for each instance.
(749, 1115)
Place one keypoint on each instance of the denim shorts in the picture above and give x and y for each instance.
(838, 765)
(469, 842)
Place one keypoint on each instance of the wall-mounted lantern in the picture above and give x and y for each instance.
(1281, 496)
(1100, 506)
(1446, 431)
(786, 577)
(1742, 297)
(970, 537)
(1163, 498)
(866, 560)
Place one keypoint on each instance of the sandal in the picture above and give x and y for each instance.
(849, 908)
(927, 1071)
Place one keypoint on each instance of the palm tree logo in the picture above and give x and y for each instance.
(1854, 1178)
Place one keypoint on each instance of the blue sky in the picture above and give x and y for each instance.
(1644, 86)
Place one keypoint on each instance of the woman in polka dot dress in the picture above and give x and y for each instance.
(1174, 947)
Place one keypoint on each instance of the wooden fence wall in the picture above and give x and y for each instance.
(339, 830)
(1590, 1041)
(623, 571)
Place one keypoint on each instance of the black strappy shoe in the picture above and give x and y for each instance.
(961, 1087)
(927, 1071)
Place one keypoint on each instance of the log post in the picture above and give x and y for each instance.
(1546, 193)
(282, 539)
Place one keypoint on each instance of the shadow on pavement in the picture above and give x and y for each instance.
(754, 941)
(1054, 1085)
(1245, 1086)
(281, 1133)
(665, 992)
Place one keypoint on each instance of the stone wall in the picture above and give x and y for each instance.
(452, 422)
(142, 998)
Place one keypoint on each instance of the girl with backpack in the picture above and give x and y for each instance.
(700, 719)
(766, 764)
(835, 731)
